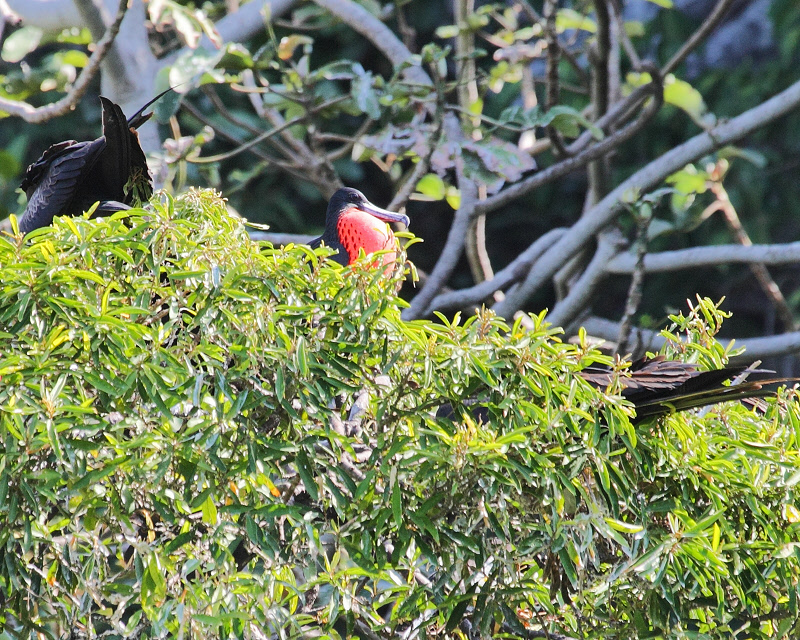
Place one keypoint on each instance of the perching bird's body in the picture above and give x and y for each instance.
(657, 386)
(71, 176)
(352, 223)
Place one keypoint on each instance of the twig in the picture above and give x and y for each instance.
(282, 126)
(633, 56)
(643, 180)
(458, 231)
(709, 24)
(759, 269)
(259, 153)
(36, 115)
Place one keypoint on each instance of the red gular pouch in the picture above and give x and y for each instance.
(353, 223)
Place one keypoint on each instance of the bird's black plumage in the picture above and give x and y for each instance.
(71, 176)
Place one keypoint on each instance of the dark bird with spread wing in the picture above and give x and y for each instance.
(71, 176)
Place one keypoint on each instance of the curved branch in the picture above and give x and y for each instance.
(36, 115)
(377, 33)
(771, 254)
(643, 180)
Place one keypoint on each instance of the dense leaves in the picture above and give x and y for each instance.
(200, 434)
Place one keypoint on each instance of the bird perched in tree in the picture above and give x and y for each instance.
(71, 176)
(352, 222)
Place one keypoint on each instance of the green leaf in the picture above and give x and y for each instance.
(20, 43)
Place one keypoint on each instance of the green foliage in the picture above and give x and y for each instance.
(205, 436)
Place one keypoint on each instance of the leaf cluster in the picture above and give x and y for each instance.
(201, 434)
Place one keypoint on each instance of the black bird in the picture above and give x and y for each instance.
(657, 386)
(352, 222)
(71, 176)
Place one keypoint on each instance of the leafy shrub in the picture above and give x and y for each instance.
(204, 436)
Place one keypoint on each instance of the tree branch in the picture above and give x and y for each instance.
(512, 273)
(454, 245)
(608, 244)
(36, 115)
(643, 180)
(755, 348)
(569, 165)
(377, 33)
(709, 24)
(772, 254)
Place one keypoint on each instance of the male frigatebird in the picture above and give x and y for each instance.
(71, 176)
(352, 222)
(656, 386)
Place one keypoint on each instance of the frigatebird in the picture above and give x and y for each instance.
(71, 176)
(656, 386)
(352, 222)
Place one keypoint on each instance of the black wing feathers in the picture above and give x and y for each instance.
(71, 176)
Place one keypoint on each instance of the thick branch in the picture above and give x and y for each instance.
(377, 33)
(772, 254)
(512, 273)
(643, 180)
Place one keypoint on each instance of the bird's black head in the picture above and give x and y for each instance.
(347, 198)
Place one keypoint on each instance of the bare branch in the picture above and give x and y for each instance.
(643, 180)
(608, 244)
(377, 33)
(454, 245)
(709, 24)
(755, 348)
(36, 115)
(514, 272)
(772, 254)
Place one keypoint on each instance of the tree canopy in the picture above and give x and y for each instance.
(206, 435)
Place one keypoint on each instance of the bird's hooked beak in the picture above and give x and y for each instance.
(382, 214)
